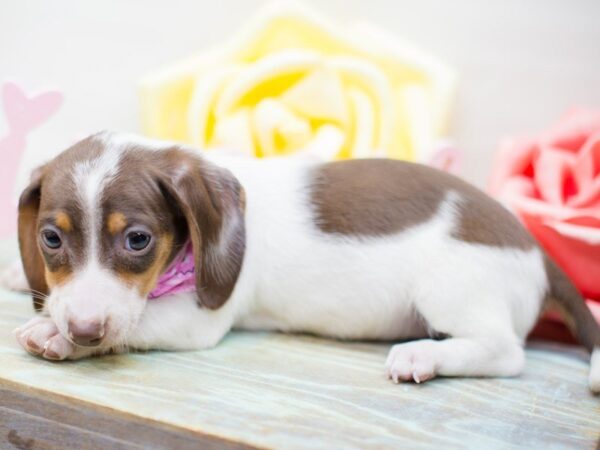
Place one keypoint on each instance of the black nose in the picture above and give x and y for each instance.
(86, 333)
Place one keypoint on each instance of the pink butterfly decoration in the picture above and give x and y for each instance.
(23, 114)
(447, 158)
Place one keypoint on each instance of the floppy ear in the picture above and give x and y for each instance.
(212, 202)
(33, 263)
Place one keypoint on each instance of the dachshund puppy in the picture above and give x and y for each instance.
(130, 243)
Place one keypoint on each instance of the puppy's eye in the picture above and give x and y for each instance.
(137, 240)
(51, 239)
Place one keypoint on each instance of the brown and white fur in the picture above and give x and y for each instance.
(365, 249)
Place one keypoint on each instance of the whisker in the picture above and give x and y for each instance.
(37, 294)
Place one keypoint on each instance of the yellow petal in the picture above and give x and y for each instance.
(285, 25)
(405, 62)
(164, 109)
(326, 144)
(268, 77)
(369, 79)
(418, 122)
(234, 132)
(165, 97)
(278, 130)
(207, 88)
(382, 66)
(319, 95)
(363, 119)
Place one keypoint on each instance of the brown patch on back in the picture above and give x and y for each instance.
(372, 197)
(116, 222)
(482, 220)
(63, 222)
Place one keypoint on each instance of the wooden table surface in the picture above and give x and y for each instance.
(279, 391)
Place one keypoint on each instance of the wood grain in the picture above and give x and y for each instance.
(281, 391)
(33, 419)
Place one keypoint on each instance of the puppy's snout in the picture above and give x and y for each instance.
(86, 333)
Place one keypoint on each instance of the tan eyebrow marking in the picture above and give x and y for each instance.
(59, 277)
(63, 222)
(146, 281)
(116, 222)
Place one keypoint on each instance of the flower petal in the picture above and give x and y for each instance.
(251, 84)
(418, 119)
(515, 158)
(320, 96)
(587, 234)
(575, 251)
(363, 130)
(206, 89)
(587, 172)
(589, 197)
(573, 129)
(446, 157)
(326, 144)
(234, 132)
(278, 130)
(363, 75)
(532, 206)
(553, 171)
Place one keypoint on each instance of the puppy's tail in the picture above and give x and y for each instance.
(578, 317)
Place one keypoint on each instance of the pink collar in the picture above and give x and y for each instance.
(179, 277)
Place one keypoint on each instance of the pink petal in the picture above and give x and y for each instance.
(573, 129)
(579, 259)
(515, 157)
(544, 210)
(553, 172)
(588, 160)
(518, 186)
(585, 229)
(447, 158)
(588, 197)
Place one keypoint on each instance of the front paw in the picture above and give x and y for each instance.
(13, 277)
(41, 337)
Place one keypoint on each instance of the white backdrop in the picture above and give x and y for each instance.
(522, 63)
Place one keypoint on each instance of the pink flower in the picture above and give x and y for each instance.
(552, 183)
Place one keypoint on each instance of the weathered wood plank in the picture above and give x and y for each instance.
(34, 419)
(281, 391)
(25, 431)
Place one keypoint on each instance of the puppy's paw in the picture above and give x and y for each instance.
(412, 361)
(58, 348)
(34, 335)
(13, 277)
(41, 337)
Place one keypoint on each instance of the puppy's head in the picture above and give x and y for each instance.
(101, 222)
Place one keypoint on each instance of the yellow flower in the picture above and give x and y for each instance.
(293, 82)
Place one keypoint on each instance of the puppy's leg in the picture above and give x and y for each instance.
(485, 300)
(481, 342)
(178, 323)
(41, 337)
(485, 356)
(170, 323)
